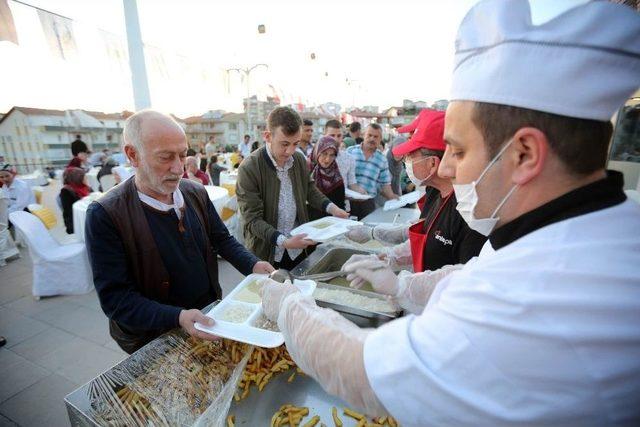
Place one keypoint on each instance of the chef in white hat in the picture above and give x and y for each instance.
(545, 330)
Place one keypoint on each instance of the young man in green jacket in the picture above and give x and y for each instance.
(273, 189)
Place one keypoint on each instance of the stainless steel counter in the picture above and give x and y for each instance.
(258, 408)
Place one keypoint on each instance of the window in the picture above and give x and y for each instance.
(109, 138)
(233, 126)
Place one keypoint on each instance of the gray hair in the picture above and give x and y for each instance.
(191, 160)
(132, 132)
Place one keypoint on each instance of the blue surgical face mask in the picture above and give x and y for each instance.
(467, 197)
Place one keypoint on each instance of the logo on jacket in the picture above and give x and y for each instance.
(439, 236)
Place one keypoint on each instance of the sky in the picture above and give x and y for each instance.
(367, 52)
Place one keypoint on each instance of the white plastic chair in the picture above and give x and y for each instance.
(107, 182)
(57, 269)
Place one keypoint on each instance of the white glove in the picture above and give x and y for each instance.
(384, 233)
(393, 234)
(330, 349)
(398, 256)
(272, 294)
(358, 282)
(360, 233)
(415, 289)
(375, 271)
(357, 257)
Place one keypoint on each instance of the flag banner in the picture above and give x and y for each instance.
(115, 50)
(157, 61)
(7, 26)
(59, 34)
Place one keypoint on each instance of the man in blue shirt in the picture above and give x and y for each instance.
(372, 171)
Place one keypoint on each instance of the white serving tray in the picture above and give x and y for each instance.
(335, 227)
(246, 332)
(355, 195)
(404, 200)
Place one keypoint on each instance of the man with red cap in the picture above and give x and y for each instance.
(441, 237)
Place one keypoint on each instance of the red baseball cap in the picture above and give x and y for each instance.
(429, 133)
(414, 124)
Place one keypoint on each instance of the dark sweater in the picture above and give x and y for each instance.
(183, 255)
(67, 198)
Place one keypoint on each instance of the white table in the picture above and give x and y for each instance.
(79, 210)
(227, 177)
(379, 216)
(35, 178)
(218, 196)
(124, 172)
(92, 178)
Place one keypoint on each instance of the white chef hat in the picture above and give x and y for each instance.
(583, 63)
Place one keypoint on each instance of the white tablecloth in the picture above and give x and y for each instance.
(92, 178)
(79, 209)
(228, 178)
(218, 196)
(124, 172)
(35, 178)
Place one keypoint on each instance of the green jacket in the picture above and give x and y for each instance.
(258, 191)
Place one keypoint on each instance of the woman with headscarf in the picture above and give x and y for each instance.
(73, 190)
(326, 174)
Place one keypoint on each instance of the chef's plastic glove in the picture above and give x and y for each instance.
(330, 349)
(415, 289)
(375, 271)
(354, 259)
(398, 256)
(393, 234)
(360, 233)
(272, 294)
(358, 257)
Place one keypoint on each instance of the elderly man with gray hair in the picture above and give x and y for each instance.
(153, 240)
(192, 172)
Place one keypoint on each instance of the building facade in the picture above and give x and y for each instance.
(34, 138)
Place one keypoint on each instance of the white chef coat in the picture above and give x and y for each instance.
(20, 195)
(544, 331)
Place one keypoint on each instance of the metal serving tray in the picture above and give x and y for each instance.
(360, 317)
(258, 408)
(324, 259)
(331, 258)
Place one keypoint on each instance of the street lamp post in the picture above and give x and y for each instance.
(246, 72)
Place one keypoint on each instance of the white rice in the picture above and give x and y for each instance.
(236, 313)
(351, 299)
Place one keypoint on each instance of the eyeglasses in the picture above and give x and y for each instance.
(408, 159)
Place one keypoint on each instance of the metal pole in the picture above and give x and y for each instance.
(141, 96)
(247, 72)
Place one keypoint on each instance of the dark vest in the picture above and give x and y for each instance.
(125, 210)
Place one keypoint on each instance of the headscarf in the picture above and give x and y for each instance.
(6, 167)
(73, 179)
(327, 179)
